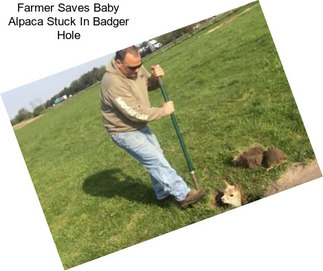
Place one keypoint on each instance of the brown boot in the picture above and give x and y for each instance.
(193, 196)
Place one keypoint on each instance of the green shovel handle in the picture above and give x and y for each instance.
(178, 132)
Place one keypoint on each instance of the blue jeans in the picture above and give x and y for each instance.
(143, 146)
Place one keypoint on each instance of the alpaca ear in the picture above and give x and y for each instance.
(226, 183)
(238, 186)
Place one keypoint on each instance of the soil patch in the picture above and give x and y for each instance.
(229, 20)
(25, 122)
(297, 174)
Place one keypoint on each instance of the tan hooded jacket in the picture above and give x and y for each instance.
(125, 103)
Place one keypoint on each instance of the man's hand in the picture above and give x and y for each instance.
(168, 108)
(157, 71)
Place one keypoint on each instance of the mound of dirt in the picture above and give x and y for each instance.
(272, 157)
(250, 158)
(297, 174)
(257, 155)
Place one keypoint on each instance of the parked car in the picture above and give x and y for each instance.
(154, 45)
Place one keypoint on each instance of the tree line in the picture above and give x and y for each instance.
(86, 80)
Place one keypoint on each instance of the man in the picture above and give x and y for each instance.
(126, 110)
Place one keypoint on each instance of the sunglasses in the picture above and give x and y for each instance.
(133, 68)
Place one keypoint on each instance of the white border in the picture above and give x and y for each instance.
(283, 231)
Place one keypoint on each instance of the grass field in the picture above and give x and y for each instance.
(229, 90)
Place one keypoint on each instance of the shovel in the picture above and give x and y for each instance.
(179, 136)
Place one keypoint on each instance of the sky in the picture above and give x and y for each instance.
(33, 94)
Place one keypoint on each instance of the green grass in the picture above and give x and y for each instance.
(229, 90)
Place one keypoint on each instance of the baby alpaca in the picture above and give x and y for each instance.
(233, 195)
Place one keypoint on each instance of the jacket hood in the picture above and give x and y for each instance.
(113, 69)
